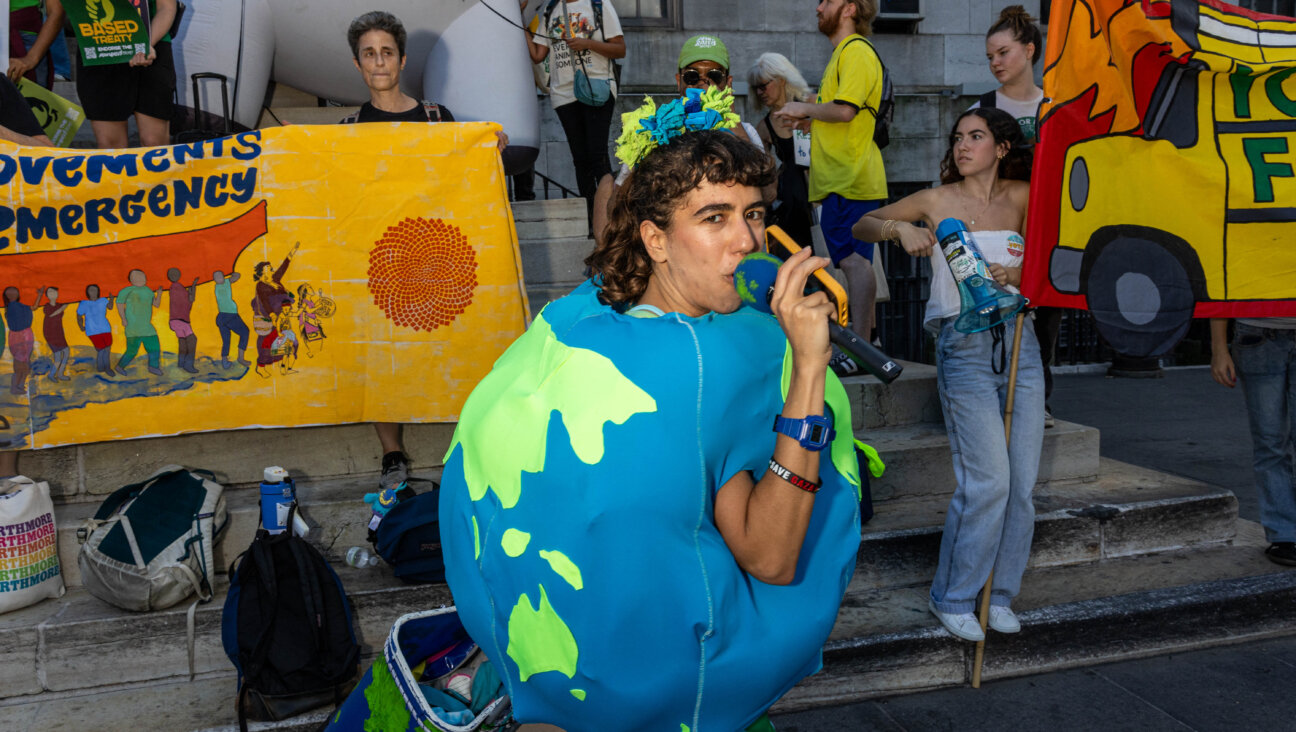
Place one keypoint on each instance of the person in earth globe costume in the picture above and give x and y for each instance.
(626, 537)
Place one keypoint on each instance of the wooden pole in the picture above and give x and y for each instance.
(1008, 415)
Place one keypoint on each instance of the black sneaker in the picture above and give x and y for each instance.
(1282, 552)
(842, 365)
(395, 471)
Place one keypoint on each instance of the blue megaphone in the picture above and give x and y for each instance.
(984, 302)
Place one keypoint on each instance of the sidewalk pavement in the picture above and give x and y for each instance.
(1184, 424)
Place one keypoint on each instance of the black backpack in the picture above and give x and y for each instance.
(409, 537)
(885, 111)
(287, 627)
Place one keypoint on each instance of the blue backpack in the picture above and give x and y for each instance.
(409, 538)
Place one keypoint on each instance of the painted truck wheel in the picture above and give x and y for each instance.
(1140, 295)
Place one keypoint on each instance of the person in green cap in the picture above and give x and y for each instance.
(703, 63)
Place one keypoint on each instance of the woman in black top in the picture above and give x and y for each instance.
(775, 82)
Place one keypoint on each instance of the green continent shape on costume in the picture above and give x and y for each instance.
(579, 694)
(515, 542)
(504, 425)
(565, 567)
(476, 539)
(539, 640)
(387, 711)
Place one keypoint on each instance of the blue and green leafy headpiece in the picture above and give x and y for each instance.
(650, 126)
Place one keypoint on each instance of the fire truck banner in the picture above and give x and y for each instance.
(303, 275)
(1163, 186)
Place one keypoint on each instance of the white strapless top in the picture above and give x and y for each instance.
(998, 247)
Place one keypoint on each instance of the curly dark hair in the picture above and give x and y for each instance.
(656, 189)
(1016, 165)
(1017, 21)
(376, 20)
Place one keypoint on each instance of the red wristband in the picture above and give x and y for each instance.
(793, 478)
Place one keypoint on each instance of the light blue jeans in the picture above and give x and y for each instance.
(1266, 364)
(990, 520)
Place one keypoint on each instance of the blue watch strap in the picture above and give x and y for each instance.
(814, 432)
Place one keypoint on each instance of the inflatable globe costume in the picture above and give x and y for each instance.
(577, 512)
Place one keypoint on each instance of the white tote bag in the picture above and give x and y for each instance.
(29, 563)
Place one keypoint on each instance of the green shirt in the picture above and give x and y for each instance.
(136, 303)
(225, 300)
(843, 157)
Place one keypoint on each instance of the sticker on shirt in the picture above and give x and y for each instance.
(1016, 245)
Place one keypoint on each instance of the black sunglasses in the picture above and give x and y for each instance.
(691, 77)
(760, 88)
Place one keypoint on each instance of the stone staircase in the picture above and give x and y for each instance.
(1126, 561)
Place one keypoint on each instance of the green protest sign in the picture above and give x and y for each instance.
(59, 117)
(107, 31)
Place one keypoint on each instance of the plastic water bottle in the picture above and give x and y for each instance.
(360, 558)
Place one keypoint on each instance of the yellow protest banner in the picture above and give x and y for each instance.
(296, 276)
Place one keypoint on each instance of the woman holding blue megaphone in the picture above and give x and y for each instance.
(990, 521)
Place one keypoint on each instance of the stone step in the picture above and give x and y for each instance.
(917, 456)
(886, 642)
(335, 510)
(918, 459)
(1125, 511)
(555, 218)
(910, 399)
(48, 647)
(87, 473)
(205, 704)
(555, 260)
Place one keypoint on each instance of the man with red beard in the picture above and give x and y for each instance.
(846, 173)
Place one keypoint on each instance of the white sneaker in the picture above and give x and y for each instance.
(1004, 620)
(963, 625)
(1049, 422)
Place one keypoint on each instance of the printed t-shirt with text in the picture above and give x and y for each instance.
(583, 23)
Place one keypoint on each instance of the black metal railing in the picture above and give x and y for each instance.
(521, 187)
(900, 320)
(1078, 340)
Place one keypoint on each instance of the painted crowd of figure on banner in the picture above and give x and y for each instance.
(286, 320)
(191, 272)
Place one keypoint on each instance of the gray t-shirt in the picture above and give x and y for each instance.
(1024, 112)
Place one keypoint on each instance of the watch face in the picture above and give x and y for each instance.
(817, 432)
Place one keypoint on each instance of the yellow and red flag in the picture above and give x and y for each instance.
(373, 270)
(1163, 186)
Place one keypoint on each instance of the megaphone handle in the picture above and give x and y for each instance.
(864, 353)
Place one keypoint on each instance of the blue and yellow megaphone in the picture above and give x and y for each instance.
(985, 303)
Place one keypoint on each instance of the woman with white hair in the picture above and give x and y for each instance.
(775, 82)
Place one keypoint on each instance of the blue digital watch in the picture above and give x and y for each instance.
(814, 432)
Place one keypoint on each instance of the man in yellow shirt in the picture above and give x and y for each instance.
(846, 172)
